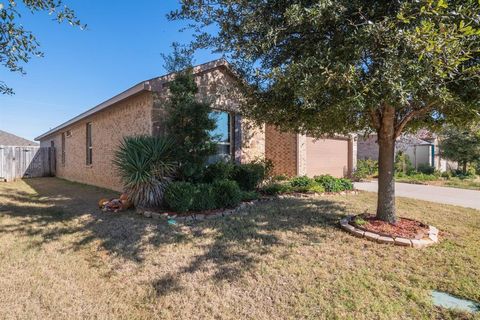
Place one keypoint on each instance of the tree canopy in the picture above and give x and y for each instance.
(330, 66)
(18, 45)
(321, 67)
(461, 145)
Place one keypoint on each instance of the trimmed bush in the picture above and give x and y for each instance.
(249, 195)
(426, 168)
(227, 193)
(249, 175)
(346, 183)
(221, 170)
(332, 184)
(179, 196)
(305, 184)
(365, 168)
(203, 199)
(274, 188)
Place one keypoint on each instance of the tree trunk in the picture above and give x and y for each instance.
(465, 168)
(386, 165)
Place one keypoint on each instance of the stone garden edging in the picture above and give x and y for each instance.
(192, 217)
(399, 241)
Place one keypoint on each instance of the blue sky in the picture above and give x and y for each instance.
(121, 47)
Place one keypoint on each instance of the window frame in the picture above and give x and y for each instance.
(230, 134)
(63, 142)
(89, 144)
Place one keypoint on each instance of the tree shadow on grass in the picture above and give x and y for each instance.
(62, 208)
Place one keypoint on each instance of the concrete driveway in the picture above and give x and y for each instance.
(454, 196)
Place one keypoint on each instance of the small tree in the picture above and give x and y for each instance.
(189, 122)
(327, 67)
(461, 145)
(18, 45)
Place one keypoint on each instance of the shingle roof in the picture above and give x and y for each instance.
(8, 139)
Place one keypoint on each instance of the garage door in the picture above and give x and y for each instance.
(327, 156)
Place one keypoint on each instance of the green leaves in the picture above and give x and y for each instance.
(145, 164)
(321, 67)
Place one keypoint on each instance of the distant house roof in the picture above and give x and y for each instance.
(148, 85)
(9, 139)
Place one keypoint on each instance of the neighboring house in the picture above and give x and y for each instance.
(86, 144)
(9, 139)
(422, 148)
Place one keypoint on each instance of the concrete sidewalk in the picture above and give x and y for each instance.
(454, 196)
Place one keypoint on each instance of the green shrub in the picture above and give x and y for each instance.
(280, 177)
(346, 184)
(227, 193)
(144, 165)
(221, 170)
(305, 184)
(331, 184)
(426, 168)
(179, 196)
(418, 178)
(249, 175)
(403, 163)
(249, 195)
(317, 188)
(203, 199)
(447, 174)
(365, 168)
(275, 188)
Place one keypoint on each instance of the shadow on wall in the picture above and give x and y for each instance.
(228, 246)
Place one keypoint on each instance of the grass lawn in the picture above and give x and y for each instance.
(472, 184)
(61, 258)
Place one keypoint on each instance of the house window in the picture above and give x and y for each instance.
(63, 148)
(222, 134)
(89, 144)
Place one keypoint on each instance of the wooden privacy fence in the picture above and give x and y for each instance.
(26, 162)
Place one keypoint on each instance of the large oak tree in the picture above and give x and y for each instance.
(323, 67)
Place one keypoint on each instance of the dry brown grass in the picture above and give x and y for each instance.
(60, 258)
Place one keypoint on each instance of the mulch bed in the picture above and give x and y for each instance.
(405, 228)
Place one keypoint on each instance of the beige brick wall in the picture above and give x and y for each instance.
(281, 148)
(144, 114)
(129, 117)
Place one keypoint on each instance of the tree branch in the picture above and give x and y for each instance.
(375, 119)
(409, 116)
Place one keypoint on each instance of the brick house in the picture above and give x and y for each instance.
(86, 144)
(422, 148)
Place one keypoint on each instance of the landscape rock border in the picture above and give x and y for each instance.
(399, 241)
(201, 216)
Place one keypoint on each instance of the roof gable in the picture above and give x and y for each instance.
(9, 139)
(154, 84)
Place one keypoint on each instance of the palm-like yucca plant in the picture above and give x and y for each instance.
(145, 165)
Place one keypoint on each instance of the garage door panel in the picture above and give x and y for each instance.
(327, 156)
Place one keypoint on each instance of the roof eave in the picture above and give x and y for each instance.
(119, 97)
